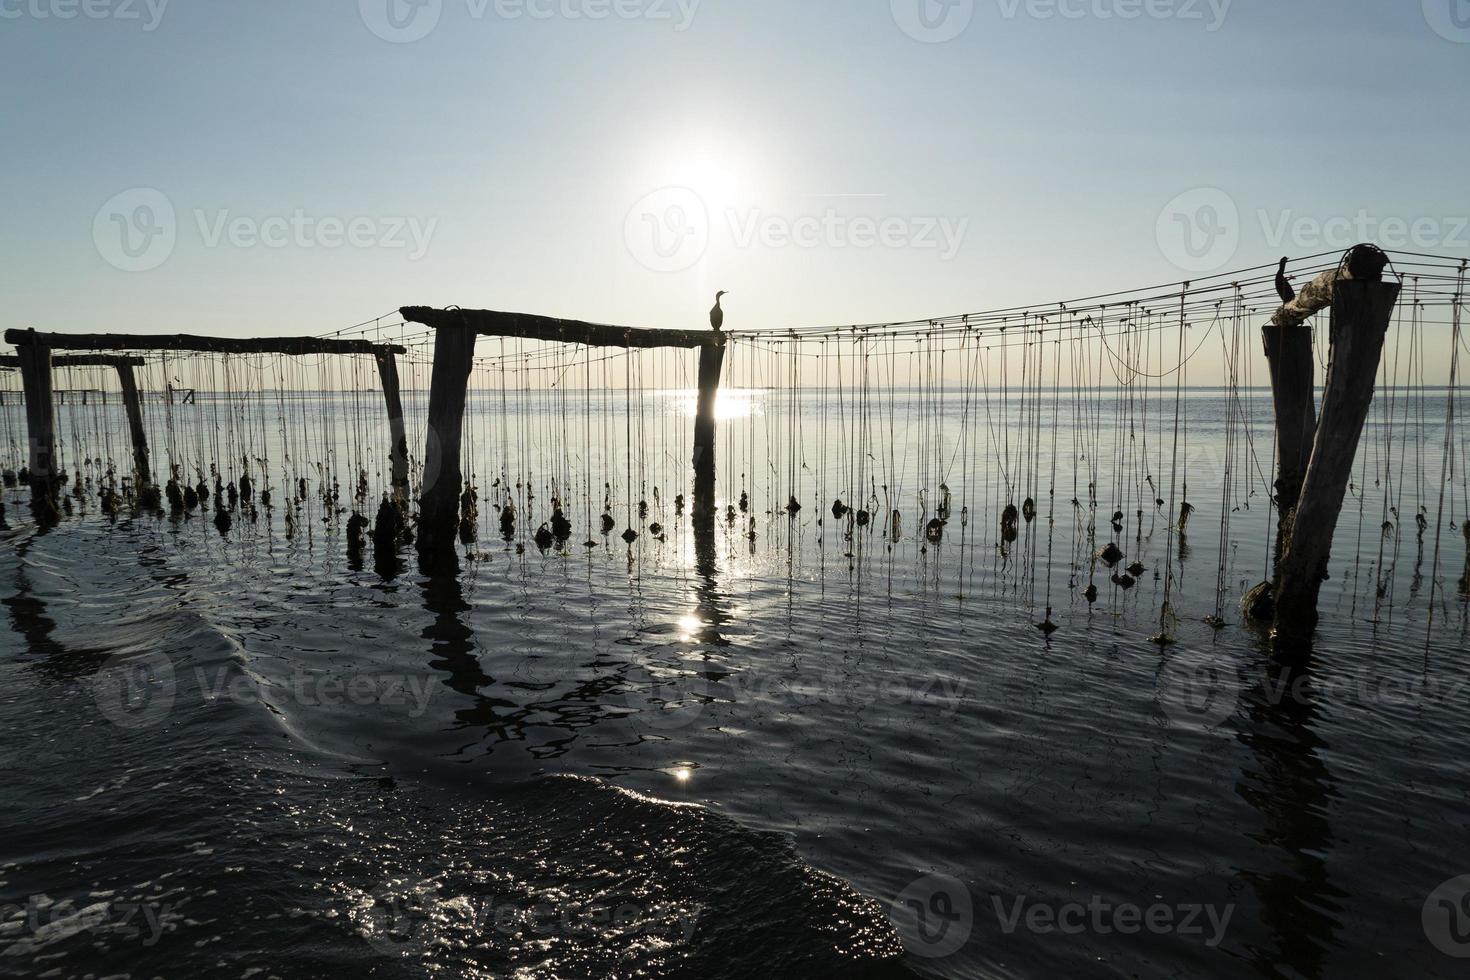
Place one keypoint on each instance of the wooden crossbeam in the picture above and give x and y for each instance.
(194, 343)
(81, 360)
(489, 323)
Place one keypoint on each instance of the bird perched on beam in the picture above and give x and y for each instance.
(1283, 288)
(717, 315)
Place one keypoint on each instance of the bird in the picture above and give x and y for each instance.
(717, 315)
(1283, 288)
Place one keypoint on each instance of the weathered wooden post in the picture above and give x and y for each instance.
(134, 409)
(711, 362)
(1288, 343)
(454, 354)
(1362, 306)
(35, 375)
(398, 453)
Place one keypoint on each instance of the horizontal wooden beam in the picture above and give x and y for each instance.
(528, 326)
(81, 360)
(190, 342)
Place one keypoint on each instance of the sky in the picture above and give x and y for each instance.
(299, 167)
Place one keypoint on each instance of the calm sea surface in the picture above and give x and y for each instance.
(828, 750)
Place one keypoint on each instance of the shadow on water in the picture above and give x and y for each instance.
(1290, 786)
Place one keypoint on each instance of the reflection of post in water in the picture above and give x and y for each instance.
(1291, 788)
(1464, 579)
(711, 608)
(453, 646)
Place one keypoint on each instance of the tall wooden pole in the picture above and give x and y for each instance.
(398, 452)
(35, 373)
(1294, 394)
(1361, 311)
(711, 361)
(454, 352)
(134, 409)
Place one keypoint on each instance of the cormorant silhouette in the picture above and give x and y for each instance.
(717, 315)
(1283, 288)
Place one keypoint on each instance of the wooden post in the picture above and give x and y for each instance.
(398, 452)
(711, 361)
(1294, 394)
(134, 409)
(1361, 311)
(454, 353)
(35, 373)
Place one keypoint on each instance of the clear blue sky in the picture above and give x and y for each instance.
(1047, 141)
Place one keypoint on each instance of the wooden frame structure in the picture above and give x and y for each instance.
(1315, 455)
(35, 359)
(455, 333)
